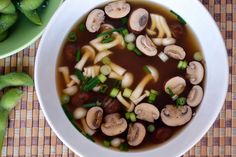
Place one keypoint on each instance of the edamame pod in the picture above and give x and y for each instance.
(6, 21)
(10, 99)
(15, 79)
(4, 3)
(29, 5)
(3, 36)
(3, 126)
(10, 9)
(32, 16)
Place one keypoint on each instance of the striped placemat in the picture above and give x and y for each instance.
(29, 135)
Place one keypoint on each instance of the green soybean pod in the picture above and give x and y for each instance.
(3, 36)
(10, 9)
(4, 3)
(3, 126)
(6, 21)
(15, 79)
(29, 5)
(10, 99)
(32, 16)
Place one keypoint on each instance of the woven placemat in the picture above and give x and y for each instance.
(29, 135)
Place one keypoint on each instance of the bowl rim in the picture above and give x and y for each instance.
(41, 85)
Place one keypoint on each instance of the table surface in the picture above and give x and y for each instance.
(29, 134)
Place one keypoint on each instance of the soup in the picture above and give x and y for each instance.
(130, 75)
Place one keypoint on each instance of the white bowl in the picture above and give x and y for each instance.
(212, 45)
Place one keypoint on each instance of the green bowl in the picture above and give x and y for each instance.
(24, 33)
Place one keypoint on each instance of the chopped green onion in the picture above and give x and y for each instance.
(103, 88)
(182, 65)
(91, 84)
(110, 32)
(145, 68)
(151, 128)
(90, 105)
(154, 91)
(124, 20)
(132, 117)
(152, 98)
(125, 32)
(65, 99)
(169, 91)
(124, 147)
(102, 78)
(105, 70)
(82, 27)
(127, 115)
(127, 92)
(89, 137)
(137, 51)
(117, 84)
(107, 40)
(106, 60)
(131, 46)
(181, 101)
(106, 143)
(181, 20)
(72, 37)
(78, 55)
(114, 92)
(198, 56)
(79, 74)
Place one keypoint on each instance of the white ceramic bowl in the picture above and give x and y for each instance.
(215, 90)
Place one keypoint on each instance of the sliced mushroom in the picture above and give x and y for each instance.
(86, 128)
(88, 54)
(117, 9)
(128, 105)
(138, 20)
(105, 27)
(127, 80)
(172, 115)
(153, 75)
(195, 72)
(195, 96)
(176, 85)
(94, 20)
(118, 41)
(113, 125)
(136, 134)
(147, 112)
(175, 52)
(145, 45)
(94, 117)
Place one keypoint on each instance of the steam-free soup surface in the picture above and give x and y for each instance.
(134, 64)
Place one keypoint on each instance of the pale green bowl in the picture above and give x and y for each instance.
(24, 33)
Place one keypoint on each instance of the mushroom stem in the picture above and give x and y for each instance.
(114, 75)
(91, 71)
(65, 72)
(129, 106)
(118, 69)
(86, 127)
(82, 62)
(146, 94)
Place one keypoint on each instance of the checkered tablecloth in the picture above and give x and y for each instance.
(29, 135)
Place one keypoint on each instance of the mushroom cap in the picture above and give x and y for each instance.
(113, 124)
(195, 96)
(147, 112)
(175, 52)
(117, 9)
(94, 20)
(195, 72)
(176, 84)
(136, 134)
(127, 80)
(94, 117)
(172, 115)
(88, 50)
(138, 20)
(101, 55)
(146, 46)
(154, 72)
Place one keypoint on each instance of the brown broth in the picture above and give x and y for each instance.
(134, 64)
